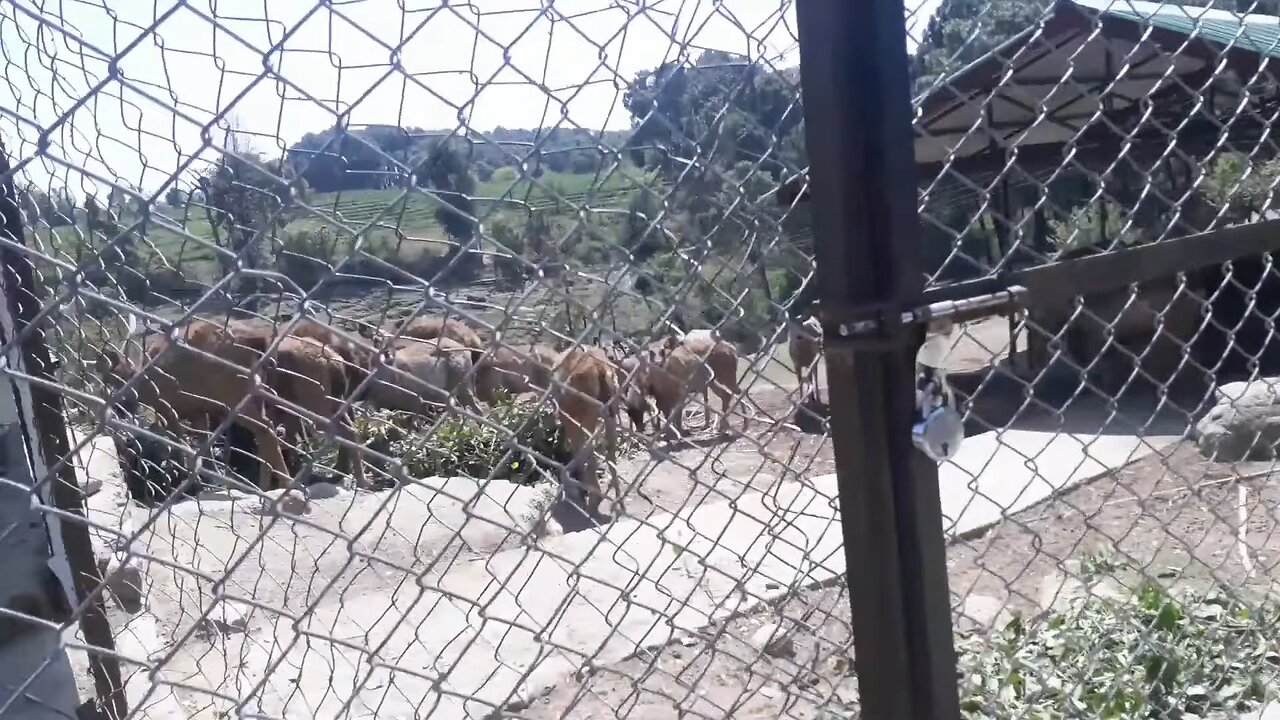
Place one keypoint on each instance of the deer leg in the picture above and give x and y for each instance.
(582, 467)
(677, 417)
(611, 457)
(800, 381)
(725, 399)
(350, 460)
(268, 448)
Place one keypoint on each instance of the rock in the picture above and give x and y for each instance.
(1058, 591)
(983, 612)
(221, 494)
(773, 640)
(1270, 711)
(285, 502)
(92, 487)
(125, 579)
(323, 491)
(228, 617)
(1244, 424)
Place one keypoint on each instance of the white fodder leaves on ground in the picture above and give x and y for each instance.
(1156, 653)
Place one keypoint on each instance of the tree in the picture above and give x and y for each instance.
(540, 241)
(33, 202)
(721, 110)
(642, 229)
(445, 170)
(174, 197)
(508, 264)
(337, 160)
(92, 213)
(961, 31)
(1238, 189)
(117, 200)
(245, 198)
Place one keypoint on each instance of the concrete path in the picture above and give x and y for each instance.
(1004, 471)
(498, 627)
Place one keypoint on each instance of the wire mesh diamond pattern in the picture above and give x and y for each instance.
(424, 359)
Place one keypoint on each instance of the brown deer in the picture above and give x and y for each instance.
(419, 376)
(804, 345)
(202, 372)
(516, 369)
(586, 389)
(673, 369)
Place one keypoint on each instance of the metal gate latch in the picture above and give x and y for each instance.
(938, 430)
(938, 427)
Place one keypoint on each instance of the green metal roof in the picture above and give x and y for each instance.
(1255, 33)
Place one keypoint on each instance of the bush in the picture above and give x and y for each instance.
(307, 255)
(461, 445)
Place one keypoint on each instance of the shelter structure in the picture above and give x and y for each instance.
(1122, 104)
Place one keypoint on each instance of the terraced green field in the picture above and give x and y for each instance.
(414, 210)
(401, 221)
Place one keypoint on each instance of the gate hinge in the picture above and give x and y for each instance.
(871, 328)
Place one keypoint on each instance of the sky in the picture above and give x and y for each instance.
(133, 91)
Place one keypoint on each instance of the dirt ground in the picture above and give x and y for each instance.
(1173, 514)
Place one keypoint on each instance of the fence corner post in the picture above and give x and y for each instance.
(858, 131)
(43, 425)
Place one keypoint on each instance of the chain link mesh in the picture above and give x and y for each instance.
(423, 359)
(460, 360)
(1110, 518)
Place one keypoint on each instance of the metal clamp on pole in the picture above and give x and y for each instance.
(938, 428)
(883, 328)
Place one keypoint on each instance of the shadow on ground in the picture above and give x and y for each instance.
(994, 398)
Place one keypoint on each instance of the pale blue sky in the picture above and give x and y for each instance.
(283, 68)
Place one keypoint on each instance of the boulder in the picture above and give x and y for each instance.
(983, 613)
(126, 579)
(773, 640)
(1244, 424)
(323, 491)
(1270, 711)
(1060, 592)
(227, 617)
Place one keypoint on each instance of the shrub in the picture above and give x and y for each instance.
(461, 445)
(307, 255)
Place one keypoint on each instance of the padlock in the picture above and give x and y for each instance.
(940, 433)
(939, 427)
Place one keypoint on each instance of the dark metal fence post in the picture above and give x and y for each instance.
(862, 183)
(43, 423)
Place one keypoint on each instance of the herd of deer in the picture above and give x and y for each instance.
(203, 371)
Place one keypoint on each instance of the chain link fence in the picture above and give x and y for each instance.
(463, 360)
(412, 360)
(1111, 538)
